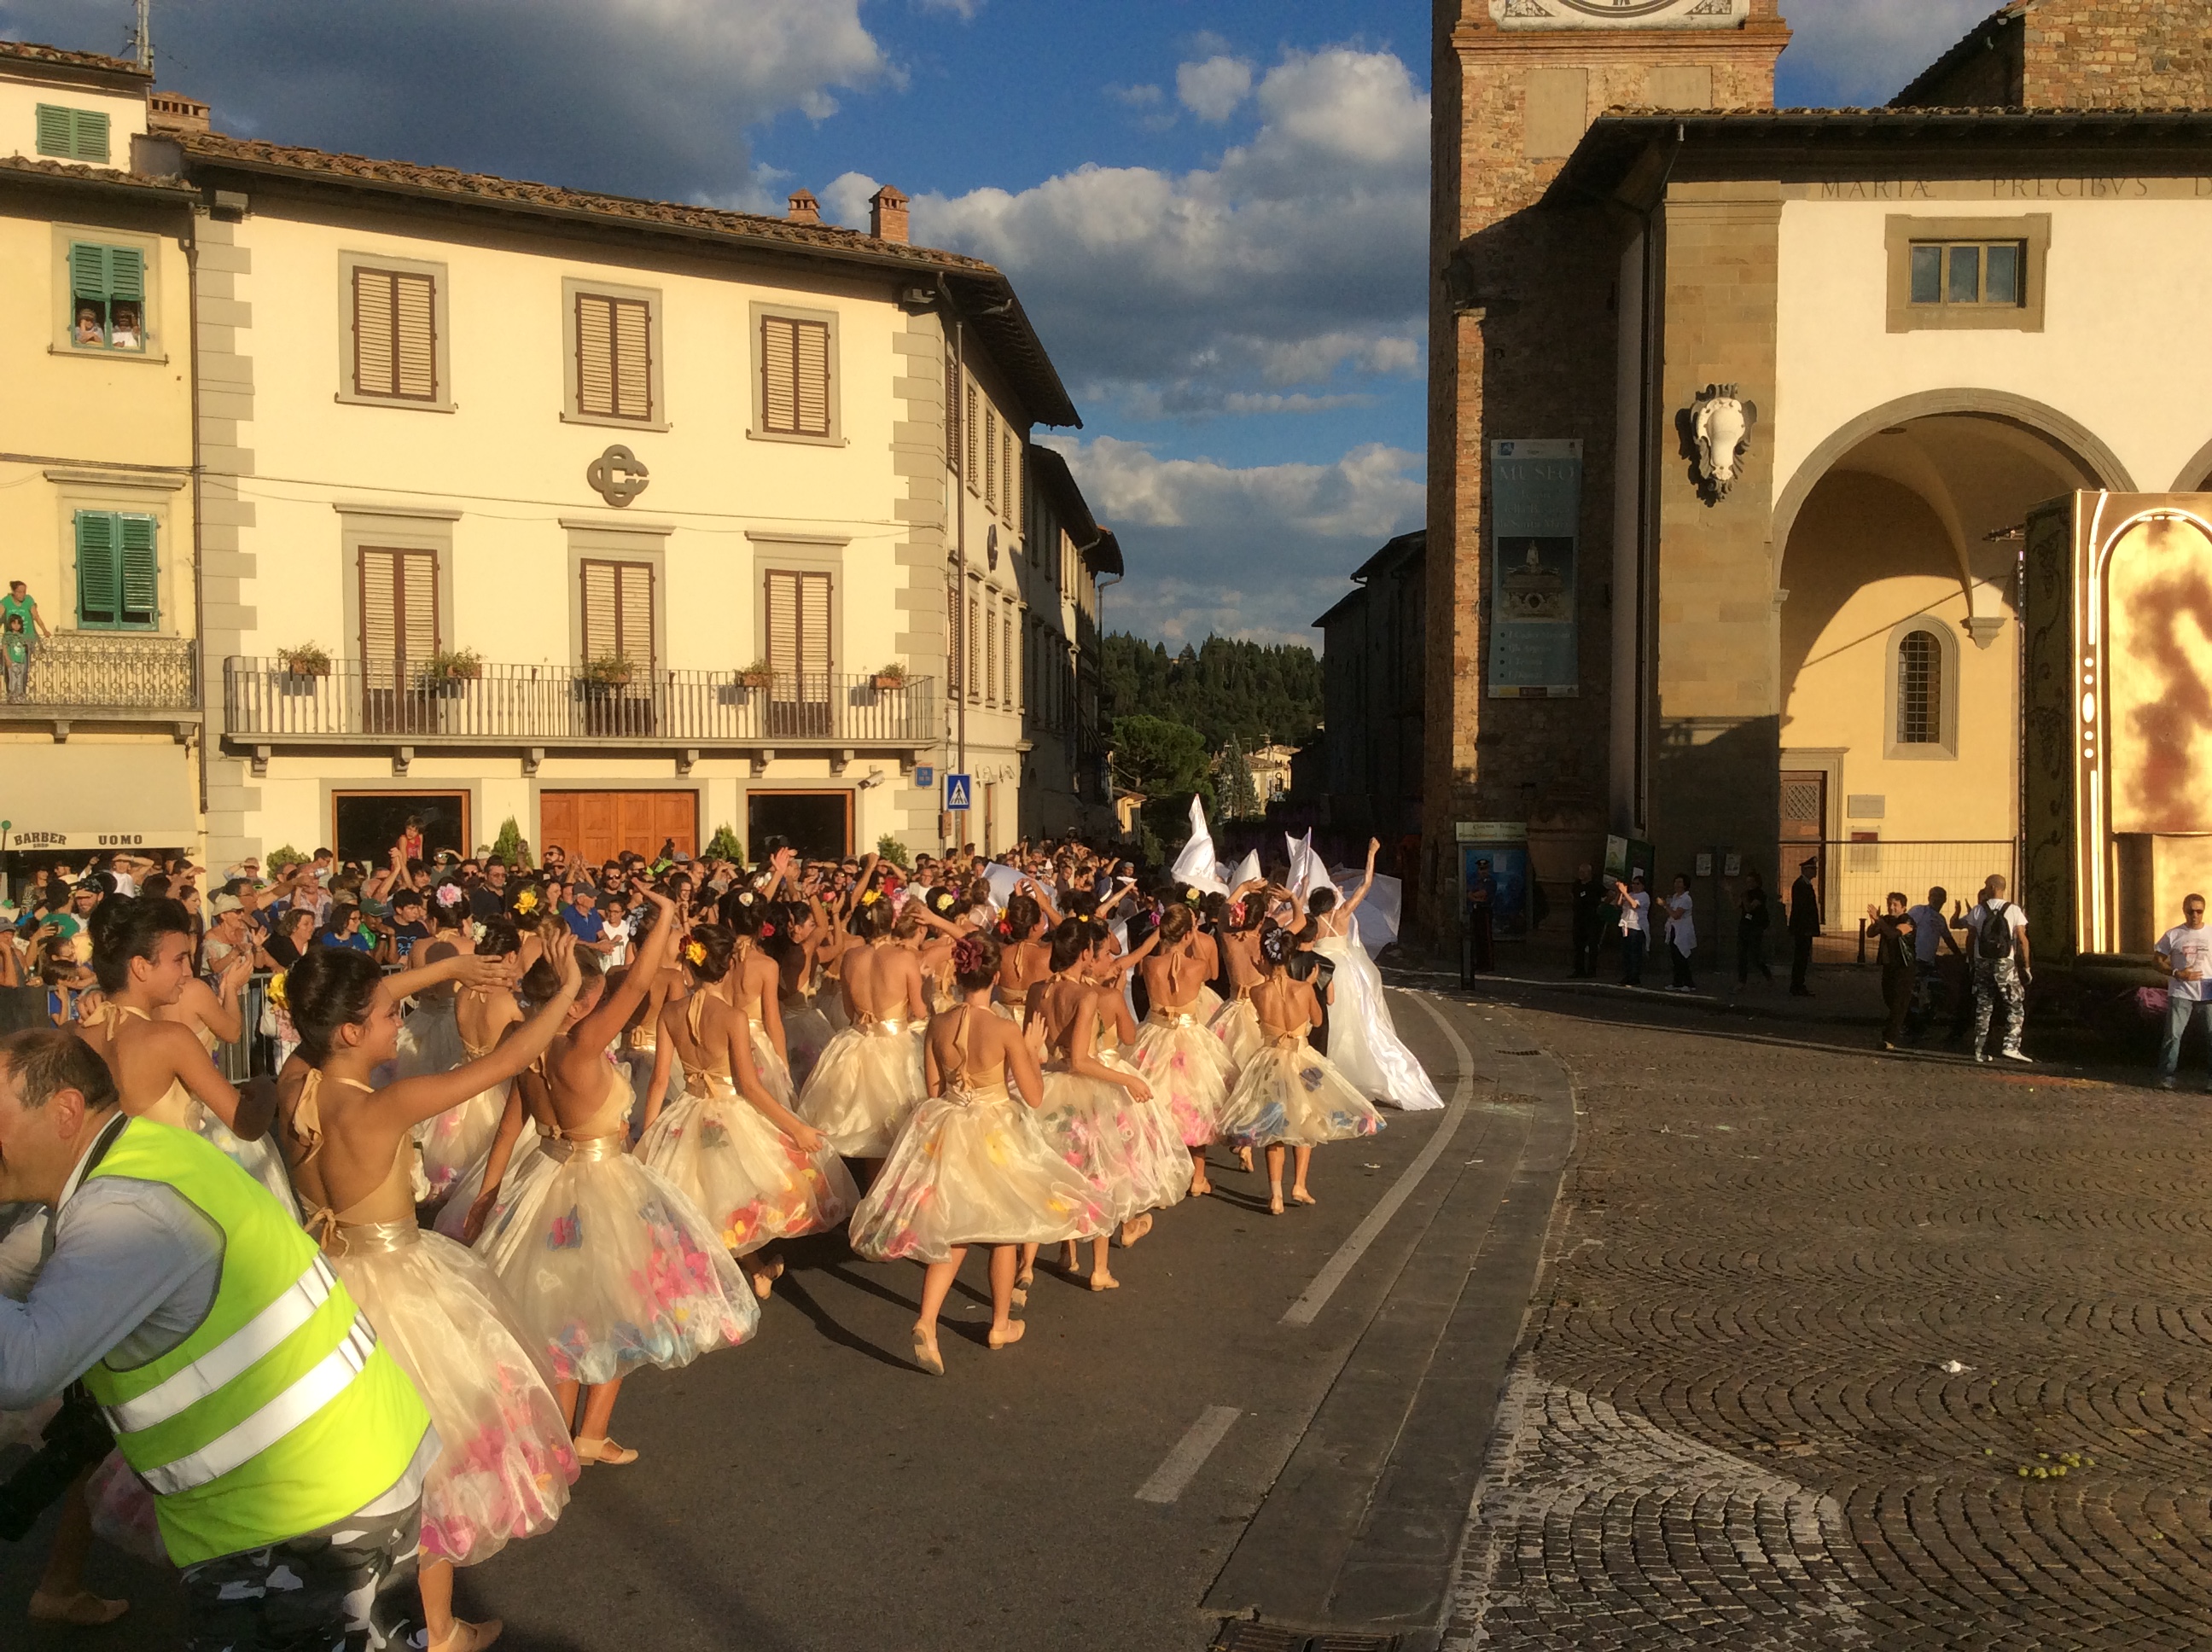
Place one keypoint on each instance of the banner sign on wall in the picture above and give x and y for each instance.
(1535, 515)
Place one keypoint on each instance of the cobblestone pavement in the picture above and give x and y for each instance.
(1804, 1318)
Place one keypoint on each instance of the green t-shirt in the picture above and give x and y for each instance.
(12, 604)
(15, 647)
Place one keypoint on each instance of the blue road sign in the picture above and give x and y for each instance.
(958, 790)
(925, 776)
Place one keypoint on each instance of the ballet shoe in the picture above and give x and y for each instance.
(603, 1451)
(925, 1354)
(763, 1285)
(1025, 1278)
(470, 1637)
(1019, 1297)
(1105, 1282)
(1135, 1228)
(1245, 1160)
(83, 1610)
(1301, 1196)
(1275, 1205)
(1200, 1190)
(1014, 1333)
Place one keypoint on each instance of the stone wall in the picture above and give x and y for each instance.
(2117, 54)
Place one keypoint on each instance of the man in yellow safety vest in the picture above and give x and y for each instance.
(285, 1448)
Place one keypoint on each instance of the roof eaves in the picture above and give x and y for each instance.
(1338, 609)
(63, 175)
(90, 64)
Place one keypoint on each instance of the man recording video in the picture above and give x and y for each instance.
(285, 1448)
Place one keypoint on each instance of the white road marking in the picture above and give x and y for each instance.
(1308, 1307)
(1188, 1456)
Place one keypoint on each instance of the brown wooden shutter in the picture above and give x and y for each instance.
(991, 458)
(795, 377)
(799, 627)
(953, 636)
(614, 357)
(619, 612)
(968, 674)
(395, 335)
(972, 469)
(398, 612)
(990, 660)
(953, 422)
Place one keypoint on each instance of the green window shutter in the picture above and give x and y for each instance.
(98, 576)
(87, 270)
(141, 585)
(56, 131)
(90, 138)
(126, 274)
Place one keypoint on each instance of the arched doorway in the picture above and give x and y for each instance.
(1899, 646)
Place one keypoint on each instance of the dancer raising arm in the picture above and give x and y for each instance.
(1363, 1040)
(504, 1462)
(1188, 1068)
(970, 1167)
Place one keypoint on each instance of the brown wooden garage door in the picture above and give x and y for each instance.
(596, 826)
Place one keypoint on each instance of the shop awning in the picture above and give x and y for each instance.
(81, 796)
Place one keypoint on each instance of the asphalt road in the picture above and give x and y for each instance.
(814, 1490)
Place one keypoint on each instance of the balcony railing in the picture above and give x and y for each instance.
(401, 702)
(88, 674)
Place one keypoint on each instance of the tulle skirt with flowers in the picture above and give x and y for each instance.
(1236, 1026)
(505, 1464)
(747, 1178)
(611, 1267)
(807, 1034)
(459, 1139)
(463, 1190)
(1290, 1094)
(1130, 1152)
(864, 1088)
(972, 1170)
(1190, 1073)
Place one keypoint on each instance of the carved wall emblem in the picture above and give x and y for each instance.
(1720, 423)
(617, 476)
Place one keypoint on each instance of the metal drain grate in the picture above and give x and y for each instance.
(1520, 1052)
(1244, 1635)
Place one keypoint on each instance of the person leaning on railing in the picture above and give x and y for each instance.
(285, 1448)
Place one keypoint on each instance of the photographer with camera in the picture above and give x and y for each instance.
(285, 1449)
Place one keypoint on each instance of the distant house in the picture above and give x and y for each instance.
(1372, 665)
(1270, 768)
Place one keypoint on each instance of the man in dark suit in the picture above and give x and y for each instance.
(1589, 892)
(1804, 925)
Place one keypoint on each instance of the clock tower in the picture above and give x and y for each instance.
(1532, 734)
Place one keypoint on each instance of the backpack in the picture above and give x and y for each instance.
(1993, 939)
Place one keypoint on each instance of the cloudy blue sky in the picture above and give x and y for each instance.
(1214, 209)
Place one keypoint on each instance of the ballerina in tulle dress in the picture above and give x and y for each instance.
(1025, 954)
(1098, 1110)
(504, 1462)
(142, 952)
(611, 1266)
(730, 1142)
(1363, 1040)
(870, 1078)
(795, 945)
(1187, 1067)
(970, 1167)
(1288, 1094)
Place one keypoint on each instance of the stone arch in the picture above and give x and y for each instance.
(2078, 442)
(2195, 476)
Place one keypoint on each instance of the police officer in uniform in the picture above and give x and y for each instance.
(286, 1449)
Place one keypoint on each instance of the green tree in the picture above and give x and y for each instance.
(894, 852)
(1257, 693)
(1240, 801)
(1160, 757)
(725, 846)
(507, 846)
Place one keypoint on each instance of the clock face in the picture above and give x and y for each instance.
(1619, 14)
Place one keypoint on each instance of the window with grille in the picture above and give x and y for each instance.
(1006, 471)
(398, 613)
(618, 613)
(952, 638)
(990, 661)
(67, 134)
(395, 334)
(1919, 689)
(107, 297)
(973, 470)
(117, 572)
(1969, 273)
(1006, 653)
(799, 630)
(970, 675)
(614, 357)
(795, 392)
(991, 458)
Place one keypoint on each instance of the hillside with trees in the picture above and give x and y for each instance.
(1253, 693)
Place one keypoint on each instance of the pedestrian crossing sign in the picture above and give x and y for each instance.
(957, 791)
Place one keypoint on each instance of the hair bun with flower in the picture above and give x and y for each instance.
(967, 955)
(476, 933)
(768, 931)
(869, 897)
(451, 895)
(526, 901)
(696, 953)
(745, 897)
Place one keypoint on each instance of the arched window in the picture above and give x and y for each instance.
(1919, 689)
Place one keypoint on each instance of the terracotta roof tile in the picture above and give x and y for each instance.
(110, 177)
(31, 52)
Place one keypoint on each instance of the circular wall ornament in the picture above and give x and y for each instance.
(617, 476)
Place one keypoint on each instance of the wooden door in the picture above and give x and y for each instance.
(596, 826)
(1804, 824)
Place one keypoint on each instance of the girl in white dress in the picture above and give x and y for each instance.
(1187, 1067)
(1363, 1041)
(870, 1077)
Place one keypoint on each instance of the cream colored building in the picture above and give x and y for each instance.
(96, 498)
(1071, 558)
(623, 520)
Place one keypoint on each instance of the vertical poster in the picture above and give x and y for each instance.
(1535, 514)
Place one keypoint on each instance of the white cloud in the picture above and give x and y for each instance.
(846, 200)
(1212, 89)
(1865, 51)
(650, 97)
(1138, 97)
(1193, 531)
(1300, 256)
(965, 11)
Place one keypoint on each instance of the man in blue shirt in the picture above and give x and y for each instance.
(582, 914)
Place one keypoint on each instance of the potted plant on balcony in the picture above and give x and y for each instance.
(445, 672)
(297, 669)
(756, 675)
(596, 679)
(892, 676)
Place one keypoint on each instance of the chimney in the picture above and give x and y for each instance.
(805, 208)
(887, 215)
(170, 112)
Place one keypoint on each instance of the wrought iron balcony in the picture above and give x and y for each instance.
(85, 677)
(405, 704)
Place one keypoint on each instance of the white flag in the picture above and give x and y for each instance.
(1195, 865)
(1306, 869)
